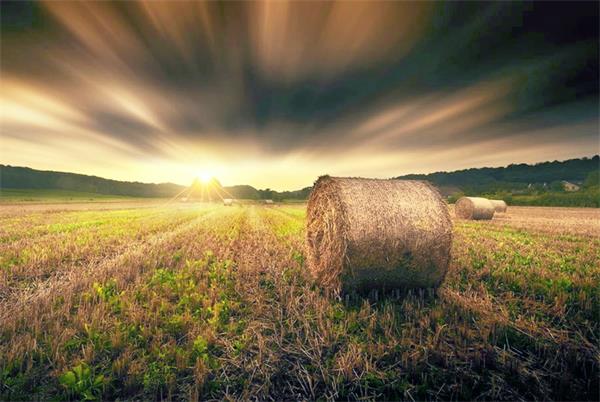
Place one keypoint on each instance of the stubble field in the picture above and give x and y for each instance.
(185, 301)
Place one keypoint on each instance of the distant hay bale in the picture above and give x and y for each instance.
(365, 234)
(227, 202)
(476, 208)
(268, 201)
(499, 205)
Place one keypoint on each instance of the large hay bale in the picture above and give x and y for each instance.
(476, 208)
(499, 205)
(227, 202)
(365, 234)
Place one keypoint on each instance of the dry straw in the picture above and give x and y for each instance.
(476, 208)
(365, 234)
(499, 205)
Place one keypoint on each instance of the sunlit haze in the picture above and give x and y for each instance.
(274, 94)
(205, 177)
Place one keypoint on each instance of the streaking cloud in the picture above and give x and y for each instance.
(276, 93)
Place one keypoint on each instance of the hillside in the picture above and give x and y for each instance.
(23, 178)
(524, 184)
(512, 177)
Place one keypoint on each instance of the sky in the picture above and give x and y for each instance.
(274, 94)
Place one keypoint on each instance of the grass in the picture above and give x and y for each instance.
(215, 302)
(586, 197)
(42, 195)
(582, 198)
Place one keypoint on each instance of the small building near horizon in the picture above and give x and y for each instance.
(568, 186)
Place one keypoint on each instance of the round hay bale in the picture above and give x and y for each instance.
(365, 234)
(476, 208)
(499, 205)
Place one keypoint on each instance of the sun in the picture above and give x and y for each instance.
(205, 177)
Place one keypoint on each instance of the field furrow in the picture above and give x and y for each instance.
(28, 263)
(213, 302)
(68, 281)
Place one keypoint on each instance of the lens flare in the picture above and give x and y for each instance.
(205, 176)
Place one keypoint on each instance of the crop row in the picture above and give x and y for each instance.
(221, 306)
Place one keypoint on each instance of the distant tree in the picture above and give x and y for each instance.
(454, 197)
(243, 192)
(266, 194)
(592, 179)
(557, 186)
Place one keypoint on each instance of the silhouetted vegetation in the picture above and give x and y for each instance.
(22, 178)
(522, 184)
(518, 184)
(26, 178)
(512, 177)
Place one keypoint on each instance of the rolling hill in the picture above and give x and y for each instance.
(512, 178)
(24, 178)
(506, 182)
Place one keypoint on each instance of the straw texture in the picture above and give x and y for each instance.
(476, 208)
(365, 234)
(499, 205)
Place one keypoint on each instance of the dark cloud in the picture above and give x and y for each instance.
(126, 128)
(302, 77)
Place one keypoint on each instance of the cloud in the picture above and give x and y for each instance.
(275, 93)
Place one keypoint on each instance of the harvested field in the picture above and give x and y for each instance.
(16, 208)
(553, 220)
(212, 302)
